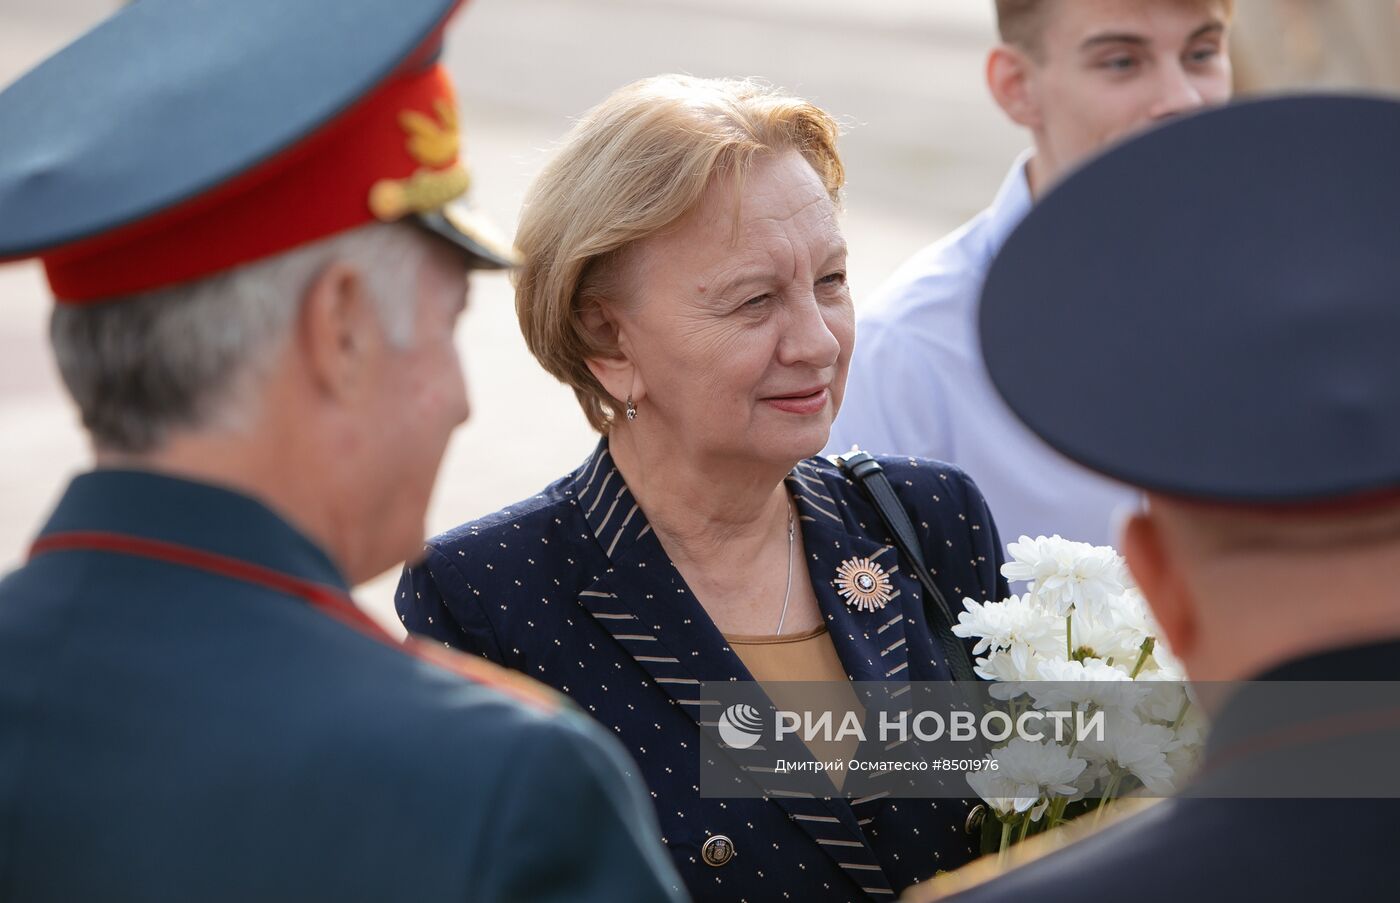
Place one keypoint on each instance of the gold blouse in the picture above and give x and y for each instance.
(776, 660)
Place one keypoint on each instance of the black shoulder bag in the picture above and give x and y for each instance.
(865, 470)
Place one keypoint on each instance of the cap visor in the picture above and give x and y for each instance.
(469, 230)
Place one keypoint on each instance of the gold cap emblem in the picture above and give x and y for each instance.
(435, 142)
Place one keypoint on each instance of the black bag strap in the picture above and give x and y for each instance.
(864, 469)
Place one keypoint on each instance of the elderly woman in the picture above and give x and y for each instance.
(686, 276)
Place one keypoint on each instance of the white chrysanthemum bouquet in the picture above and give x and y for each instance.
(1079, 639)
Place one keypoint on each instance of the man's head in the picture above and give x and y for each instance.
(1205, 312)
(1080, 74)
(258, 289)
(1238, 590)
(328, 372)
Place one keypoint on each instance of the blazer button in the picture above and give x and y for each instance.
(717, 851)
(975, 819)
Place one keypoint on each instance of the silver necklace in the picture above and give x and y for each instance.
(787, 593)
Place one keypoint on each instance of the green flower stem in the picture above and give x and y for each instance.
(1088, 712)
(1108, 792)
(1025, 825)
(1069, 635)
(1005, 841)
(1181, 716)
(1147, 646)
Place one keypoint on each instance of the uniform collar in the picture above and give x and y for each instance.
(1379, 661)
(171, 509)
(1305, 715)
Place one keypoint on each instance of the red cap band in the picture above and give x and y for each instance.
(399, 144)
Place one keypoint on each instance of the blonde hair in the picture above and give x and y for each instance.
(634, 165)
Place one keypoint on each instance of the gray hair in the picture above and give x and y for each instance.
(188, 355)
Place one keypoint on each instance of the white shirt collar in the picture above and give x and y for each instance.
(1012, 203)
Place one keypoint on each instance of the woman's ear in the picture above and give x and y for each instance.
(1159, 576)
(613, 366)
(1010, 79)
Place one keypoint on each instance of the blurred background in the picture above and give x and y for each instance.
(925, 149)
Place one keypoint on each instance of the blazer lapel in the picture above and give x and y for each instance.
(640, 597)
(870, 643)
(643, 602)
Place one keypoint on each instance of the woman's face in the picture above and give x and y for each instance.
(738, 322)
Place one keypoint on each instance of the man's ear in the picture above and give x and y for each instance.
(615, 370)
(1160, 578)
(1009, 78)
(339, 330)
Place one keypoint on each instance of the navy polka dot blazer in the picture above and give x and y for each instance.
(573, 588)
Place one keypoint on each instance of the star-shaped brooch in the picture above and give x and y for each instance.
(863, 584)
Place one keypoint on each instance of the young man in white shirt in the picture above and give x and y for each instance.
(1078, 75)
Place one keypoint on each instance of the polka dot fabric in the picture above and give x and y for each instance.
(573, 588)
